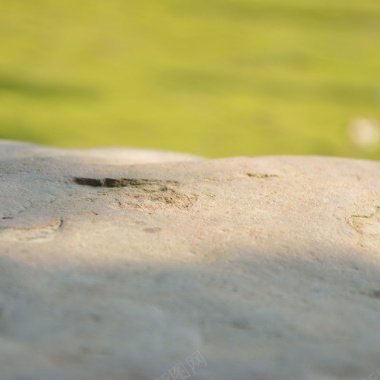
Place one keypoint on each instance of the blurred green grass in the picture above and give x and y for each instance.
(212, 77)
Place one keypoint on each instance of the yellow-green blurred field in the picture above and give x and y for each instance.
(212, 77)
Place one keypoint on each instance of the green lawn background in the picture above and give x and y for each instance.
(212, 77)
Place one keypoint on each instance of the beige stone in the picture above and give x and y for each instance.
(127, 264)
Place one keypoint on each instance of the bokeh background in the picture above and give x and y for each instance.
(211, 77)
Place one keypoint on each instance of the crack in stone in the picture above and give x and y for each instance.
(241, 176)
(367, 224)
(142, 193)
(121, 182)
(262, 175)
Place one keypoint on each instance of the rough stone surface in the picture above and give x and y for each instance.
(126, 264)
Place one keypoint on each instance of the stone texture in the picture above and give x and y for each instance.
(127, 264)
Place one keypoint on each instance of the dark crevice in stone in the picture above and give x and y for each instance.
(375, 294)
(261, 175)
(121, 182)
